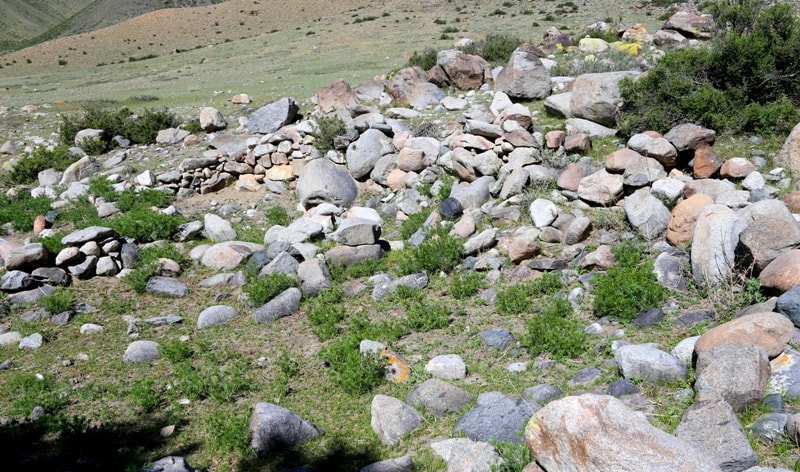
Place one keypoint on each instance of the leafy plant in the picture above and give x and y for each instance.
(439, 252)
(516, 299)
(463, 285)
(143, 200)
(139, 128)
(425, 59)
(59, 301)
(555, 331)
(514, 456)
(228, 432)
(144, 393)
(351, 371)
(27, 169)
(325, 313)
(328, 128)
(147, 266)
(495, 48)
(625, 290)
(277, 215)
(260, 290)
(145, 225)
(22, 209)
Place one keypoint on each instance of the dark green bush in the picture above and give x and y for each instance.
(496, 48)
(139, 129)
(425, 59)
(148, 266)
(328, 128)
(145, 225)
(21, 210)
(27, 169)
(260, 290)
(630, 287)
(439, 252)
(556, 331)
(746, 80)
(326, 312)
(130, 200)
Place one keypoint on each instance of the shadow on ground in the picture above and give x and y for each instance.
(337, 456)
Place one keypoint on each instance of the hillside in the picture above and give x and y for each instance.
(26, 22)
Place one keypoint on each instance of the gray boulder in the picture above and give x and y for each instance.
(770, 231)
(314, 277)
(650, 364)
(284, 304)
(364, 153)
(647, 214)
(601, 188)
(711, 426)
(392, 420)
(274, 428)
(596, 97)
(401, 464)
(322, 181)
(211, 120)
(216, 314)
(462, 454)
(142, 351)
(524, 76)
(736, 372)
(716, 235)
(439, 397)
(497, 417)
(218, 229)
(574, 433)
(166, 287)
(170, 464)
(356, 232)
(272, 117)
(29, 256)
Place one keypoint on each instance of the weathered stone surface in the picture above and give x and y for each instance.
(783, 272)
(410, 86)
(228, 255)
(392, 419)
(691, 25)
(706, 162)
(400, 464)
(274, 428)
(216, 314)
(716, 235)
(736, 168)
(771, 231)
(788, 304)
(524, 76)
(710, 426)
(680, 230)
(211, 120)
(142, 351)
(670, 270)
(284, 304)
(768, 330)
(465, 71)
(349, 255)
(82, 236)
(356, 232)
(650, 364)
(272, 117)
(439, 397)
(601, 188)
(336, 97)
(16, 280)
(218, 229)
(29, 256)
(83, 168)
(646, 213)
(166, 287)
(690, 136)
(572, 434)
(314, 277)
(736, 372)
(656, 147)
(465, 455)
(496, 416)
(596, 97)
(543, 212)
(447, 366)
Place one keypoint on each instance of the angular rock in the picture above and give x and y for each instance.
(284, 304)
(439, 397)
(524, 76)
(689, 136)
(465, 71)
(596, 97)
(392, 419)
(771, 231)
(736, 372)
(601, 188)
(496, 417)
(218, 229)
(272, 117)
(314, 277)
(29, 256)
(274, 428)
(646, 213)
(166, 287)
(691, 25)
(650, 364)
(716, 235)
(462, 454)
(410, 86)
(769, 331)
(228, 255)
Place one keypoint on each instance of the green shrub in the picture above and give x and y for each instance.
(328, 128)
(414, 222)
(192, 126)
(53, 242)
(421, 314)
(146, 395)
(148, 266)
(326, 312)
(228, 432)
(21, 210)
(27, 169)
(59, 301)
(495, 48)
(465, 284)
(139, 129)
(260, 290)
(747, 80)
(80, 213)
(145, 199)
(555, 331)
(515, 456)
(354, 373)
(625, 290)
(277, 215)
(367, 268)
(439, 252)
(100, 186)
(518, 298)
(425, 59)
(146, 225)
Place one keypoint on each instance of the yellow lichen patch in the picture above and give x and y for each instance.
(397, 369)
(783, 359)
(633, 49)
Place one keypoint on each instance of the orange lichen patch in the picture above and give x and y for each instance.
(783, 359)
(397, 369)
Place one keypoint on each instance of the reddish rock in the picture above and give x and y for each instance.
(736, 168)
(680, 230)
(395, 179)
(554, 139)
(554, 40)
(783, 272)
(792, 201)
(769, 331)
(241, 99)
(39, 224)
(338, 96)
(570, 177)
(621, 159)
(465, 71)
(690, 136)
(410, 159)
(706, 162)
(577, 143)
(522, 248)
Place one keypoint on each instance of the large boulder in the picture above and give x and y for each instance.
(600, 433)
(410, 86)
(322, 181)
(646, 213)
(783, 272)
(596, 97)
(337, 97)
(737, 372)
(771, 231)
(691, 25)
(768, 330)
(524, 76)
(274, 428)
(363, 153)
(789, 155)
(465, 71)
(680, 229)
(272, 117)
(716, 235)
(211, 119)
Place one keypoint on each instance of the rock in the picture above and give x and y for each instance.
(392, 420)
(170, 464)
(736, 168)
(314, 277)
(646, 213)
(689, 136)
(462, 454)
(142, 351)
(283, 263)
(336, 97)
(481, 241)
(228, 255)
(648, 317)
(298, 231)
(711, 426)
(570, 177)
(771, 231)
(596, 97)
(363, 154)
(782, 273)
(543, 212)
(497, 338)
(10, 338)
(643, 361)
(670, 270)
(559, 104)
(16, 280)
(83, 236)
(589, 128)
(524, 76)
(28, 256)
(475, 194)
(680, 230)
(465, 71)
(274, 428)
(716, 235)
(734, 371)
(542, 394)
(32, 342)
(691, 25)
(658, 148)
(284, 304)
(496, 417)
(30, 296)
(322, 181)
(601, 188)
(401, 464)
(218, 229)
(348, 255)
(84, 269)
(216, 314)
(410, 86)
(166, 287)
(706, 162)
(573, 434)
(356, 232)
(769, 331)
(270, 118)
(448, 366)
(91, 328)
(668, 37)
(439, 397)
(83, 168)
